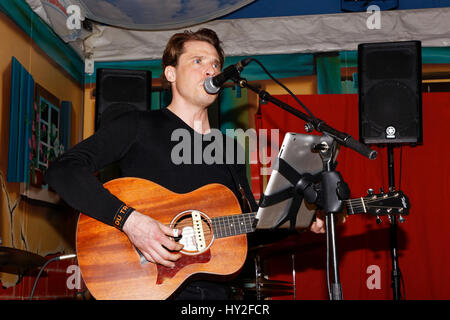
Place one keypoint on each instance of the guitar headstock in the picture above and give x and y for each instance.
(390, 203)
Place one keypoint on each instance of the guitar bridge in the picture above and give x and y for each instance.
(198, 230)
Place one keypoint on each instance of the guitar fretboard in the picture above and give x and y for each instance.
(233, 225)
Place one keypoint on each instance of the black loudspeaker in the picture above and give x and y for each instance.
(119, 91)
(390, 92)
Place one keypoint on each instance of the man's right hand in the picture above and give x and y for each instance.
(153, 239)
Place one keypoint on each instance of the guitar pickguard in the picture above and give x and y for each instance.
(168, 273)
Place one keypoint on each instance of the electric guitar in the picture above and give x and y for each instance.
(213, 233)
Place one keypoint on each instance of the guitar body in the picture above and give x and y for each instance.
(111, 266)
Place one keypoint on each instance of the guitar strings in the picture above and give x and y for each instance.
(368, 199)
(225, 225)
(240, 223)
(357, 205)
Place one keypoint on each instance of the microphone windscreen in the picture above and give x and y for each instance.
(210, 87)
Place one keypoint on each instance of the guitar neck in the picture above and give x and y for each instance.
(392, 203)
(227, 226)
(232, 225)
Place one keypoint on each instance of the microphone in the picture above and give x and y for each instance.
(212, 85)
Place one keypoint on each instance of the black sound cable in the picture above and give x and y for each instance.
(67, 256)
(284, 87)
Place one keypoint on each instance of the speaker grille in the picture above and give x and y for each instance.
(391, 64)
(129, 89)
(383, 101)
(119, 91)
(390, 97)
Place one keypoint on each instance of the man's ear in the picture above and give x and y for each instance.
(170, 74)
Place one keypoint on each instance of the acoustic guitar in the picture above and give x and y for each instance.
(213, 234)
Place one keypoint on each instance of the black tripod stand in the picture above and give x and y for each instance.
(396, 274)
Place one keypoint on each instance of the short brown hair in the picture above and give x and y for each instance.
(175, 46)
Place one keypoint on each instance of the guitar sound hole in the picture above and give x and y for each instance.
(196, 234)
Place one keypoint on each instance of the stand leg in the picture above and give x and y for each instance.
(330, 184)
(336, 287)
(396, 275)
(395, 269)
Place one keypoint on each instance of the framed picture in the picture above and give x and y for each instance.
(45, 133)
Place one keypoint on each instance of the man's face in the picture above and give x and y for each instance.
(198, 61)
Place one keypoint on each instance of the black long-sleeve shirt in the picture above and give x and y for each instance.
(142, 144)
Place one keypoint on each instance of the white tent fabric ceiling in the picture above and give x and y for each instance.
(157, 14)
(244, 36)
(298, 34)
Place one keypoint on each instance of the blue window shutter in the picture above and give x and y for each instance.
(13, 121)
(65, 124)
(28, 114)
(21, 109)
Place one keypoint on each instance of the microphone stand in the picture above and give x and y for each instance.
(331, 180)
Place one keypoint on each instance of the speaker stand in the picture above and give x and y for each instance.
(396, 275)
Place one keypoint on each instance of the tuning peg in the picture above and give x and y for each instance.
(381, 190)
(370, 192)
(401, 219)
(379, 221)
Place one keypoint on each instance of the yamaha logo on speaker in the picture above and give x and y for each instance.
(390, 132)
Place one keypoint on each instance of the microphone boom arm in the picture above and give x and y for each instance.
(312, 123)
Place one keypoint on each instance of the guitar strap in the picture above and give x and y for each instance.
(245, 203)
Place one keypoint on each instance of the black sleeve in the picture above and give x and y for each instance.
(72, 174)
